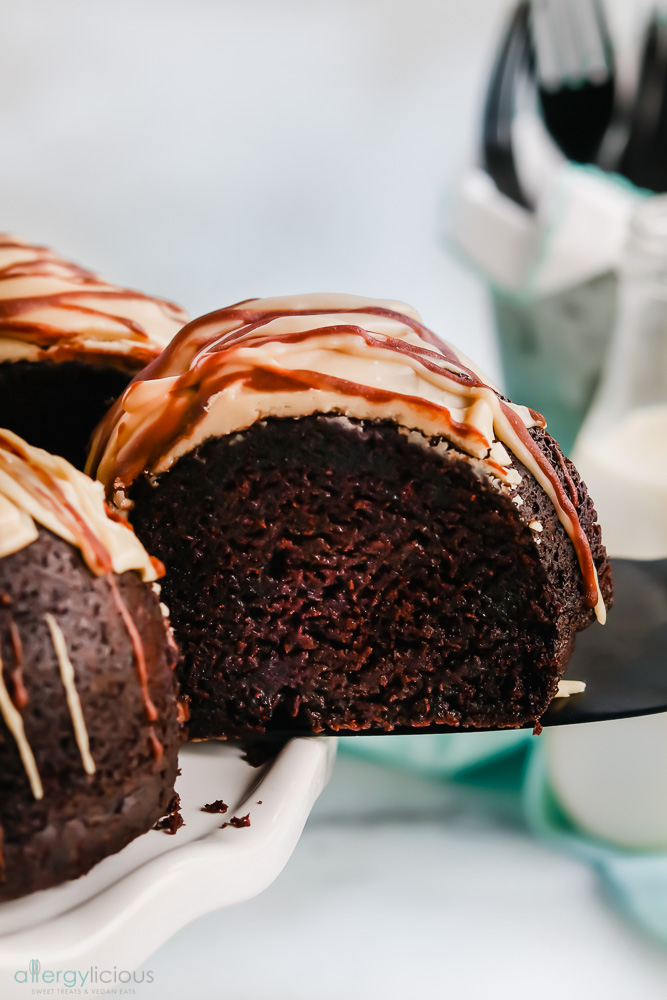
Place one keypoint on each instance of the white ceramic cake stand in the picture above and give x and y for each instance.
(131, 903)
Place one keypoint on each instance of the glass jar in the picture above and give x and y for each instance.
(552, 350)
(621, 451)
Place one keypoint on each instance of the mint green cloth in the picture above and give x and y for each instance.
(515, 761)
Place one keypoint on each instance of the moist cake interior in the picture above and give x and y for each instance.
(326, 574)
(56, 405)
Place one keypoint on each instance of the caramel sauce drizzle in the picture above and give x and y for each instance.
(20, 695)
(156, 746)
(199, 359)
(48, 493)
(140, 659)
(86, 285)
(14, 722)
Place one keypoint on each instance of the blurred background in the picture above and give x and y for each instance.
(211, 151)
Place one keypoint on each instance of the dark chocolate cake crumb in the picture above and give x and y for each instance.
(172, 819)
(238, 822)
(215, 807)
(355, 577)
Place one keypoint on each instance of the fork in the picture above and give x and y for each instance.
(644, 159)
(510, 69)
(575, 71)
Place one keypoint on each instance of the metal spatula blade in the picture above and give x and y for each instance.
(624, 663)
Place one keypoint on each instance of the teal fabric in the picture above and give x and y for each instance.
(636, 882)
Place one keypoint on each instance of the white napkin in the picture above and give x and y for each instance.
(576, 232)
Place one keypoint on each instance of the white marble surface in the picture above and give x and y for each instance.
(209, 151)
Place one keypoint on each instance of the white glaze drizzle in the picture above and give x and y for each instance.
(39, 488)
(72, 695)
(50, 308)
(298, 355)
(567, 688)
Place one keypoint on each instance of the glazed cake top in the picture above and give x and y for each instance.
(37, 488)
(52, 309)
(298, 355)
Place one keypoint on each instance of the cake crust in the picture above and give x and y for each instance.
(89, 718)
(80, 817)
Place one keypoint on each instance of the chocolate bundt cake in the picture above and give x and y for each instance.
(359, 531)
(88, 711)
(69, 344)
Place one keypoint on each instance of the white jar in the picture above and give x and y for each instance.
(611, 777)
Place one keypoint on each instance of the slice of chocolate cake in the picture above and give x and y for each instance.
(89, 725)
(69, 344)
(359, 531)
